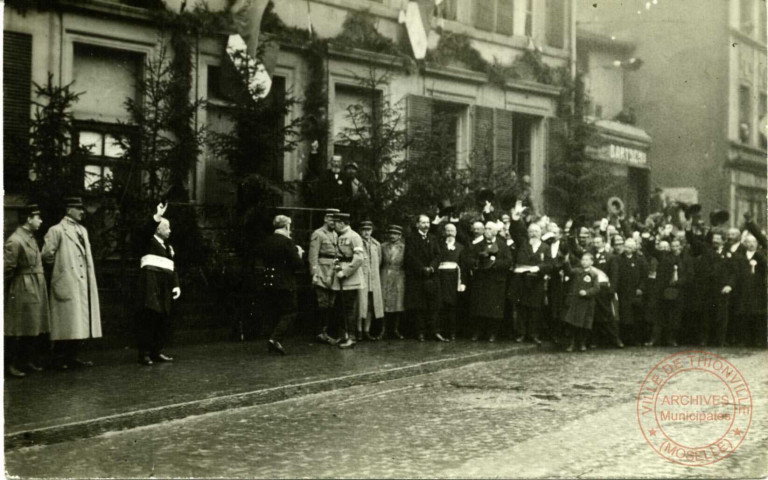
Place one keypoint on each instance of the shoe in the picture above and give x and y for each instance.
(421, 337)
(348, 343)
(34, 368)
(145, 360)
(569, 348)
(620, 344)
(323, 338)
(333, 341)
(492, 339)
(359, 335)
(161, 357)
(440, 338)
(453, 337)
(536, 340)
(475, 338)
(583, 348)
(398, 335)
(15, 372)
(369, 337)
(80, 363)
(520, 339)
(274, 346)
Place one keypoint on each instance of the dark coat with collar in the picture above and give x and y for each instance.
(156, 284)
(751, 280)
(633, 276)
(450, 279)
(281, 260)
(489, 277)
(422, 286)
(529, 287)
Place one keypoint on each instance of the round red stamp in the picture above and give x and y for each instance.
(694, 408)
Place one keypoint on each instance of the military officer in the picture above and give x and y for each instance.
(26, 296)
(322, 253)
(348, 280)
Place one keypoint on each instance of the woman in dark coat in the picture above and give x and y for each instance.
(581, 310)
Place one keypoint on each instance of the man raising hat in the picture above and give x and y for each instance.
(75, 313)
(26, 296)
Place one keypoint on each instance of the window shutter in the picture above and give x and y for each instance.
(483, 135)
(17, 91)
(485, 14)
(503, 128)
(505, 17)
(419, 111)
(555, 17)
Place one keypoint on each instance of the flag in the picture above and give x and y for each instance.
(247, 15)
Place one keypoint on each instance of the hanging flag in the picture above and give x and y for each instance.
(246, 15)
(237, 51)
(417, 33)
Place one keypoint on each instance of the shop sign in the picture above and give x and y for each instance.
(624, 155)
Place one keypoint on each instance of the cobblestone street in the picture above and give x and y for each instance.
(534, 415)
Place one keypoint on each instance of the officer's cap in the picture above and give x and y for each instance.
(395, 229)
(341, 217)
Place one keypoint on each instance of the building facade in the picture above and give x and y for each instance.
(700, 94)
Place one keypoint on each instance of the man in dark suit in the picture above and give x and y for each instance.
(422, 295)
(672, 276)
(631, 289)
(531, 267)
(555, 283)
(751, 309)
(720, 280)
(159, 286)
(281, 259)
(453, 277)
(491, 260)
(606, 305)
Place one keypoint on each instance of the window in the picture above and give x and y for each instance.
(555, 23)
(745, 114)
(17, 88)
(746, 18)
(105, 160)
(762, 109)
(448, 122)
(507, 17)
(521, 144)
(751, 200)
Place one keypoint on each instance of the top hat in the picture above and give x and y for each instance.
(341, 217)
(446, 208)
(719, 217)
(485, 195)
(74, 202)
(692, 210)
(366, 224)
(395, 229)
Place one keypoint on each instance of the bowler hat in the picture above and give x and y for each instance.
(74, 202)
(366, 224)
(446, 208)
(719, 217)
(692, 210)
(395, 229)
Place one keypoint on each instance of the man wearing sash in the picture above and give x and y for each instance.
(158, 287)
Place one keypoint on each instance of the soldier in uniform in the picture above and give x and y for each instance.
(491, 260)
(322, 253)
(453, 275)
(281, 259)
(581, 305)
(159, 286)
(74, 300)
(631, 289)
(26, 296)
(348, 280)
(371, 302)
(393, 280)
(422, 260)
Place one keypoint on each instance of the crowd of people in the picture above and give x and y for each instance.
(521, 275)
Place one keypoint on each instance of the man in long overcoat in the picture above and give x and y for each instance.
(751, 309)
(531, 266)
(454, 273)
(393, 279)
(422, 297)
(491, 260)
(75, 312)
(158, 288)
(631, 289)
(371, 303)
(26, 296)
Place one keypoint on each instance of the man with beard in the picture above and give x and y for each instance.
(531, 267)
(633, 273)
(490, 259)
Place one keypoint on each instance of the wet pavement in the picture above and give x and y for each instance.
(542, 414)
(119, 393)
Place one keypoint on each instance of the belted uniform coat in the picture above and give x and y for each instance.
(26, 296)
